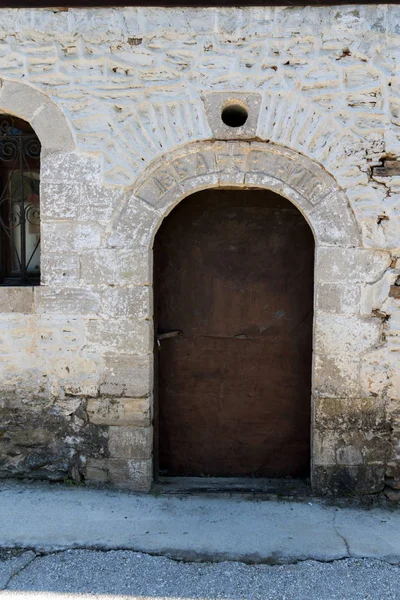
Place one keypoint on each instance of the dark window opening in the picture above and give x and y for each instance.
(19, 203)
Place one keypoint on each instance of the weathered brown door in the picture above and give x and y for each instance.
(234, 273)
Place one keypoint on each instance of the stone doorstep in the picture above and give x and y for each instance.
(254, 487)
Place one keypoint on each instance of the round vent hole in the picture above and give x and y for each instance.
(234, 115)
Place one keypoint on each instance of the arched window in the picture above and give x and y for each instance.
(19, 203)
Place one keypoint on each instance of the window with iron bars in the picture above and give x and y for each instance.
(19, 203)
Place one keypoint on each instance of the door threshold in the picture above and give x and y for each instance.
(286, 487)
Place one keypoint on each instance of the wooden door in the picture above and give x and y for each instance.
(234, 272)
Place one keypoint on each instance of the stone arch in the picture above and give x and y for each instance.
(201, 165)
(205, 164)
(35, 107)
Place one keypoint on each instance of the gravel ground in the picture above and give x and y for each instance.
(125, 574)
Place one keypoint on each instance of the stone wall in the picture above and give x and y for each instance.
(126, 103)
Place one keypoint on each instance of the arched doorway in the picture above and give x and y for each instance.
(233, 271)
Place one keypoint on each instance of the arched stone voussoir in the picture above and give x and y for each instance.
(202, 165)
(35, 107)
(335, 222)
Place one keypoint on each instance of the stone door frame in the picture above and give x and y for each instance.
(200, 165)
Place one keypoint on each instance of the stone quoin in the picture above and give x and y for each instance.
(127, 105)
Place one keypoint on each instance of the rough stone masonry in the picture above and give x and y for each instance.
(127, 104)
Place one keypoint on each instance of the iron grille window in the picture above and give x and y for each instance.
(19, 203)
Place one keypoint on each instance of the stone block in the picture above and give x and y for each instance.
(66, 300)
(75, 374)
(16, 300)
(123, 335)
(130, 442)
(99, 202)
(196, 164)
(60, 268)
(261, 180)
(116, 267)
(21, 100)
(127, 302)
(58, 332)
(324, 447)
(297, 176)
(95, 25)
(345, 334)
(201, 182)
(68, 405)
(333, 222)
(393, 484)
(350, 265)
(336, 375)
(32, 436)
(231, 160)
(96, 470)
(125, 412)
(53, 129)
(128, 375)
(374, 295)
(161, 190)
(68, 236)
(343, 480)
(393, 495)
(56, 21)
(344, 414)
(215, 102)
(351, 446)
(87, 236)
(69, 167)
(95, 474)
(393, 469)
(135, 475)
(57, 236)
(190, 21)
(349, 454)
(379, 370)
(378, 448)
(134, 225)
(59, 200)
(338, 298)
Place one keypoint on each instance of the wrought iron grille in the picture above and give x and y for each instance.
(19, 203)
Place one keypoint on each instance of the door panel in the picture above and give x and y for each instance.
(234, 272)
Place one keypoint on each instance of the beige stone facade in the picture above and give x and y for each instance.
(127, 106)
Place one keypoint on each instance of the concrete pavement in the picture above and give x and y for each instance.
(49, 517)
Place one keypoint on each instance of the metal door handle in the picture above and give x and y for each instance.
(168, 334)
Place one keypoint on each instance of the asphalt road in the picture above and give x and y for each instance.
(121, 574)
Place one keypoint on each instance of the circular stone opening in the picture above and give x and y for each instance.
(234, 114)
